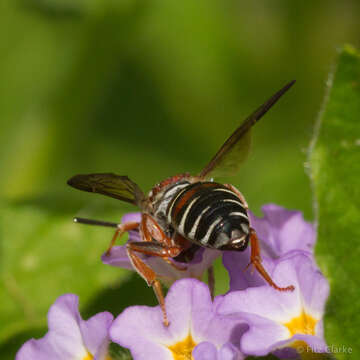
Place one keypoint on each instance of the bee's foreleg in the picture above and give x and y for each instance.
(255, 260)
(122, 228)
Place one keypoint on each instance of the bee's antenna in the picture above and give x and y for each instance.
(95, 222)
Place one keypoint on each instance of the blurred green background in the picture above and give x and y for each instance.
(146, 89)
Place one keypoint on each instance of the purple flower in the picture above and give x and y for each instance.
(279, 320)
(202, 260)
(69, 336)
(280, 232)
(195, 327)
(241, 277)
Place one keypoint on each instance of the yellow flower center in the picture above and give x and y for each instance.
(182, 350)
(88, 356)
(303, 324)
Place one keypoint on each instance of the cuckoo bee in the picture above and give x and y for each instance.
(184, 212)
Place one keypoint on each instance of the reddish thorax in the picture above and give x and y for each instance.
(170, 180)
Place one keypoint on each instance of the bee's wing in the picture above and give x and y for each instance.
(116, 186)
(236, 148)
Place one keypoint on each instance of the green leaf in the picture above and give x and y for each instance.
(44, 255)
(116, 352)
(335, 172)
(306, 356)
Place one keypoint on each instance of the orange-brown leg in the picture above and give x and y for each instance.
(152, 230)
(255, 260)
(150, 248)
(150, 277)
(155, 249)
(175, 266)
(120, 231)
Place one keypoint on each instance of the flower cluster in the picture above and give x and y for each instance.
(251, 319)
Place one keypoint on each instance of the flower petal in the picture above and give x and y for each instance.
(262, 335)
(267, 311)
(303, 344)
(194, 269)
(190, 312)
(205, 351)
(230, 352)
(69, 337)
(131, 217)
(41, 349)
(63, 341)
(208, 351)
(95, 333)
(282, 230)
(296, 268)
(241, 277)
(118, 257)
(64, 331)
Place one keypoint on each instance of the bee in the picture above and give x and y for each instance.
(183, 213)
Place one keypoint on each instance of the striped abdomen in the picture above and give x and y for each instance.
(211, 215)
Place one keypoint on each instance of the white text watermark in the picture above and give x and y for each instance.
(333, 349)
